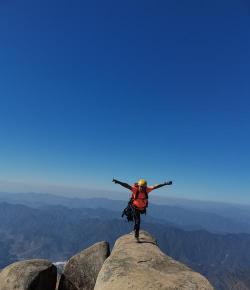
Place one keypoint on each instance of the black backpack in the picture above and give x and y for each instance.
(129, 212)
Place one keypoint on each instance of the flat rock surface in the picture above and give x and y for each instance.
(81, 270)
(29, 275)
(143, 265)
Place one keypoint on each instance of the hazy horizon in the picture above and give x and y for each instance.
(159, 196)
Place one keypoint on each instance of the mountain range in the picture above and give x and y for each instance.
(214, 217)
(48, 229)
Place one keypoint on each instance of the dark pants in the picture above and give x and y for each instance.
(137, 219)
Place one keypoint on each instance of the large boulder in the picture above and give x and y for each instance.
(142, 265)
(81, 270)
(29, 275)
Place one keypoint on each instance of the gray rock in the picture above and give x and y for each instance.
(142, 265)
(82, 269)
(29, 275)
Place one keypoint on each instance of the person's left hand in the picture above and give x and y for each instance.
(168, 183)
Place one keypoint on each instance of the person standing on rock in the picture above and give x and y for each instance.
(139, 199)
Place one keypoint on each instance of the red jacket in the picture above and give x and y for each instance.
(140, 199)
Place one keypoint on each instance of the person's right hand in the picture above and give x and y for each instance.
(114, 180)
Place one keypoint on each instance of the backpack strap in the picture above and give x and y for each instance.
(137, 194)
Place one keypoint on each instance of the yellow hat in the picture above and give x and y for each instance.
(142, 182)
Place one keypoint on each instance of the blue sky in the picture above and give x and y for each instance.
(155, 89)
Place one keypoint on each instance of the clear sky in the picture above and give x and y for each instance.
(155, 89)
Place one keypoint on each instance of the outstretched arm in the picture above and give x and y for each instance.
(122, 184)
(162, 184)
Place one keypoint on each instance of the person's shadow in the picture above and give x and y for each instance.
(142, 241)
